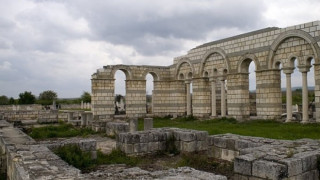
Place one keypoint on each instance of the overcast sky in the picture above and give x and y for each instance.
(58, 44)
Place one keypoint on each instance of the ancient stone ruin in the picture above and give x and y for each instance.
(218, 72)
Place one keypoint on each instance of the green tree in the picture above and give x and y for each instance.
(26, 98)
(12, 101)
(4, 100)
(46, 97)
(86, 97)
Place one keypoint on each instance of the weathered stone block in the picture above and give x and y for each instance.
(201, 135)
(140, 147)
(128, 148)
(144, 137)
(243, 164)
(220, 142)
(270, 170)
(187, 136)
(202, 146)
(153, 146)
(294, 166)
(228, 155)
(188, 146)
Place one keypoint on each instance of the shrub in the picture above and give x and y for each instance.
(74, 156)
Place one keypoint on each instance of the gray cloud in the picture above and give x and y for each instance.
(151, 27)
(58, 44)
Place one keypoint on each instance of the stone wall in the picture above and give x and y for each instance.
(154, 140)
(43, 116)
(226, 59)
(29, 107)
(25, 159)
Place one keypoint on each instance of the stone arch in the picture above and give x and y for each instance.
(183, 60)
(153, 73)
(291, 60)
(210, 52)
(189, 75)
(181, 76)
(125, 69)
(244, 62)
(206, 74)
(293, 33)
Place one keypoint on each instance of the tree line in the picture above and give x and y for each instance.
(44, 98)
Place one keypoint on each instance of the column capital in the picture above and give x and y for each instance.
(304, 68)
(187, 81)
(288, 70)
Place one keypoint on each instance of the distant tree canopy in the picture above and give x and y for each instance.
(4, 100)
(48, 95)
(12, 101)
(26, 98)
(86, 97)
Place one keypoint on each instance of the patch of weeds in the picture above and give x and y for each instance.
(116, 157)
(82, 160)
(74, 156)
(186, 119)
(204, 163)
(197, 161)
(57, 131)
(170, 146)
(227, 120)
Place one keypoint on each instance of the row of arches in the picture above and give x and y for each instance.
(212, 84)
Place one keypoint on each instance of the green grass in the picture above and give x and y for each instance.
(259, 128)
(58, 131)
(82, 160)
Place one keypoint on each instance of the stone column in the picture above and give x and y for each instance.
(133, 125)
(54, 105)
(223, 98)
(136, 97)
(288, 72)
(213, 98)
(305, 115)
(148, 123)
(89, 118)
(70, 116)
(83, 119)
(188, 98)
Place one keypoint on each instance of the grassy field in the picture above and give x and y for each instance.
(259, 128)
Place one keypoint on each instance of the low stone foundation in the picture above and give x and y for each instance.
(151, 141)
(25, 159)
(254, 157)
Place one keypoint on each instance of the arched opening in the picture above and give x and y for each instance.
(206, 74)
(252, 87)
(296, 85)
(149, 92)
(120, 92)
(181, 76)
